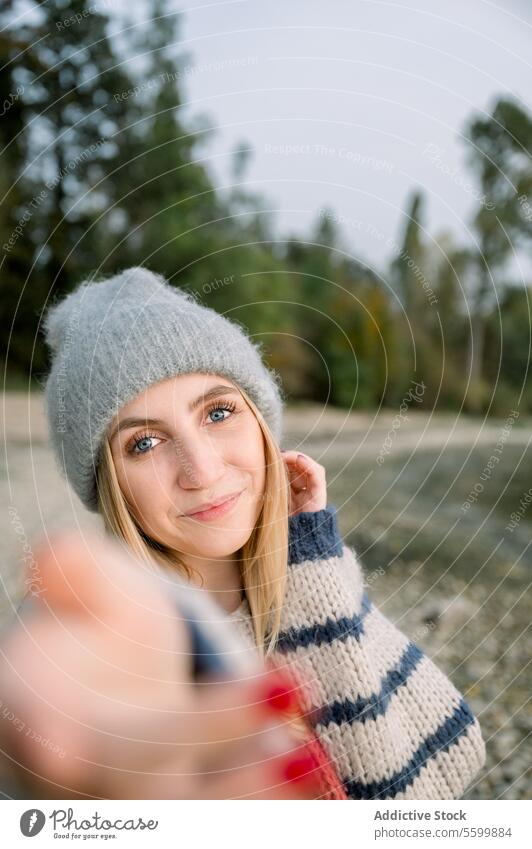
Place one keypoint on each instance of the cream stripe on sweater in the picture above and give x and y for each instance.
(392, 723)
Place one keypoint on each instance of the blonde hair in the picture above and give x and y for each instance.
(263, 557)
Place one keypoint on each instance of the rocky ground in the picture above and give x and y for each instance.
(455, 578)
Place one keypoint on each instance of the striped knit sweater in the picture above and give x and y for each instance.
(391, 722)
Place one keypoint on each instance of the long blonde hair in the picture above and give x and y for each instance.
(263, 558)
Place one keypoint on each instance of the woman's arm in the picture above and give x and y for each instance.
(391, 720)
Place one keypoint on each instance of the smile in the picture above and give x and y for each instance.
(215, 512)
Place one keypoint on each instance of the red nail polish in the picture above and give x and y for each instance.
(300, 769)
(280, 698)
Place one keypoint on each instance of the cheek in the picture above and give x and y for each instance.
(144, 483)
(250, 454)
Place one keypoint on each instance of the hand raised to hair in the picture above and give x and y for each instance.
(308, 485)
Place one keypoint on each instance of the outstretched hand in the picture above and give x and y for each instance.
(95, 676)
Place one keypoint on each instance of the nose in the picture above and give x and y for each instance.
(200, 462)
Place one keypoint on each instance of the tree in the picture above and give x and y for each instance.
(500, 152)
(508, 365)
(59, 134)
(409, 274)
(100, 163)
(15, 191)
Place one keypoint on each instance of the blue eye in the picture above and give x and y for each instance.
(221, 408)
(142, 445)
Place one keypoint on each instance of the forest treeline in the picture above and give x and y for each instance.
(100, 170)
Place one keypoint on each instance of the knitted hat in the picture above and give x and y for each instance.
(112, 339)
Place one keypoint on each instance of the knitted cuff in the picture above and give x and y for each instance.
(314, 535)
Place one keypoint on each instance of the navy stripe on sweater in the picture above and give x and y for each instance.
(319, 634)
(314, 535)
(445, 736)
(370, 707)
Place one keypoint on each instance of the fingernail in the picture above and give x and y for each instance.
(299, 769)
(280, 698)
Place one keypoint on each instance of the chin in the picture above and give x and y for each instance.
(220, 542)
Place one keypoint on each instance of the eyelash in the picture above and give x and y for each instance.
(228, 406)
(222, 405)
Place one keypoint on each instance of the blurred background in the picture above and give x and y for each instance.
(352, 182)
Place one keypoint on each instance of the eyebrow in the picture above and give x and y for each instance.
(135, 421)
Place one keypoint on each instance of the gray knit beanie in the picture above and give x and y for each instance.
(112, 339)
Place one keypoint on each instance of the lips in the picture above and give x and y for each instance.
(205, 508)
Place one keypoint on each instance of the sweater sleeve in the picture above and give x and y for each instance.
(391, 721)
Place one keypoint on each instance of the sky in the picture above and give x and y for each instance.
(352, 104)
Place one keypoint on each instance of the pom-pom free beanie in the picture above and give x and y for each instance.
(112, 339)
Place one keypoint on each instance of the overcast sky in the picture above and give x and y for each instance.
(353, 103)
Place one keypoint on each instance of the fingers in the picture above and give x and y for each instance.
(214, 717)
(289, 776)
(224, 726)
(82, 573)
(307, 482)
(93, 581)
(232, 711)
(100, 647)
(297, 470)
(234, 741)
(245, 773)
(71, 574)
(301, 464)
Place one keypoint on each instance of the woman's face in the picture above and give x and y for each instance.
(184, 443)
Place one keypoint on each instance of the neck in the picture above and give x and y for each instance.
(221, 577)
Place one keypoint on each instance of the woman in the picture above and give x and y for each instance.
(165, 420)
